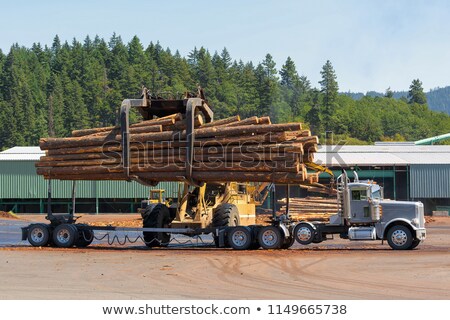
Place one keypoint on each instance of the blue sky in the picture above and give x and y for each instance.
(372, 44)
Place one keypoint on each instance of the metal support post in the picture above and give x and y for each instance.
(274, 204)
(49, 200)
(74, 193)
(288, 195)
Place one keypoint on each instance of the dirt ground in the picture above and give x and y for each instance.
(335, 269)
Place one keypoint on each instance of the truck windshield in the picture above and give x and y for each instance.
(376, 192)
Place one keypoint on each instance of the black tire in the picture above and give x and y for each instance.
(240, 238)
(65, 235)
(270, 237)
(225, 215)
(85, 238)
(38, 235)
(400, 237)
(156, 217)
(415, 243)
(304, 233)
(288, 242)
(255, 244)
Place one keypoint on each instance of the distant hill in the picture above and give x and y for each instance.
(438, 99)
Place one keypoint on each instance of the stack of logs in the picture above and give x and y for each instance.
(310, 208)
(230, 149)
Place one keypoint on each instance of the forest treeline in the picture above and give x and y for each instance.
(438, 98)
(52, 90)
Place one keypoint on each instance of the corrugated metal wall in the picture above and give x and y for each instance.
(18, 180)
(429, 181)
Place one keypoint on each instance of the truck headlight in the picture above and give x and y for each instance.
(415, 222)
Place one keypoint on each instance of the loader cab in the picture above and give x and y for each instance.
(364, 202)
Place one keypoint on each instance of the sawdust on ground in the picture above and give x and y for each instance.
(7, 215)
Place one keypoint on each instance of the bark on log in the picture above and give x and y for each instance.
(245, 134)
(168, 159)
(270, 148)
(164, 121)
(215, 176)
(222, 122)
(268, 166)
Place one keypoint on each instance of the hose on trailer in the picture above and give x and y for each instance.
(195, 241)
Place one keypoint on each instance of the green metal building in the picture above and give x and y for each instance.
(23, 191)
(405, 170)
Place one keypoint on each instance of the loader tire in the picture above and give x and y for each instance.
(225, 215)
(156, 217)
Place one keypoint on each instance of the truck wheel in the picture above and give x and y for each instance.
(304, 233)
(38, 235)
(400, 238)
(288, 242)
(65, 235)
(156, 217)
(415, 243)
(85, 238)
(269, 237)
(225, 215)
(240, 238)
(255, 243)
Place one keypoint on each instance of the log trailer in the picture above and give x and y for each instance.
(227, 209)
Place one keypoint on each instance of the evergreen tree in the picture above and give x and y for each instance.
(289, 75)
(267, 82)
(389, 93)
(247, 96)
(329, 90)
(295, 88)
(314, 115)
(193, 57)
(416, 94)
(205, 71)
(50, 91)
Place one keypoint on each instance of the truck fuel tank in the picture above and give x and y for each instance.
(362, 233)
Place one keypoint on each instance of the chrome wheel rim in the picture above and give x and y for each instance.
(63, 236)
(304, 234)
(37, 235)
(239, 238)
(269, 238)
(399, 237)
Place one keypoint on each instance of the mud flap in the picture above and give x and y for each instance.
(221, 235)
(24, 233)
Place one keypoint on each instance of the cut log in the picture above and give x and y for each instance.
(231, 149)
(165, 121)
(214, 176)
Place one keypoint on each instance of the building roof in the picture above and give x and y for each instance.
(382, 155)
(21, 153)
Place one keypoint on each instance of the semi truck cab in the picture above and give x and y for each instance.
(364, 214)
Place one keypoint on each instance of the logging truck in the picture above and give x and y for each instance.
(363, 214)
(219, 201)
